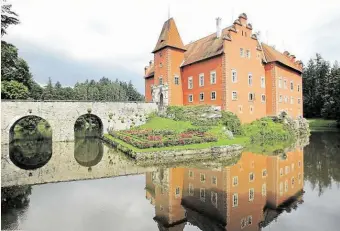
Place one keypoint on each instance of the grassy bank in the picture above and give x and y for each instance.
(323, 125)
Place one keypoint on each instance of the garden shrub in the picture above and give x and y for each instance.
(231, 122)
(265, 130)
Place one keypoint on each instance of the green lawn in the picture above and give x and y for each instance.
(322, 124)
(179, 126)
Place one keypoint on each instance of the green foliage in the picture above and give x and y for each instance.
(321, 89)
(231, 122)
(266, 131)
(13, 90)
(8, 17)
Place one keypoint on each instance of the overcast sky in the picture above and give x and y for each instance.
(74, 40)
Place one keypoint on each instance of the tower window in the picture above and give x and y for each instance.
(213, 77)
(248, 54)
(234, 76)
(201, 78)
(213, 95)
(251, 96)
(250, 79)
(160, 80)
(201, 96)
(241, 52)
(190, 98)
(263, 98)
(176, 80)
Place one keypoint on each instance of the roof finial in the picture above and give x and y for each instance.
(169, 11)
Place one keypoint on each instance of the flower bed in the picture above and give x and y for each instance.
(147, 138)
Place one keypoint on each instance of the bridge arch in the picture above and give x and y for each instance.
(88, 125)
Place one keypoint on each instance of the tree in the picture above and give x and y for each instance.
(8, 17)
(48, 92)
(13, 90)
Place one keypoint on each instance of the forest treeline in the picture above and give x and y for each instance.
(321, 89)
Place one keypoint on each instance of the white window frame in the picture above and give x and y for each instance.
(284, 84)
(211, 78)
(291, 82)
(253, 190)
(176, 78)
(202, 174)
(253, 96)
(250, 218)
(281, 188)
(264, 189)
(263, 95)
(160, 80)
(263, 82)
(233, 74)
(291, 100)
(190, 79)
(264, 171)
(250, 77)
(202, 190)
(240, 107)
(280, 82)
(280, 98)
(191, 189)
(212, 181)
(191, 174)
(199, 78)
(232, 95)
(179, 192)
(235, 196)
(241, 52)
(292, 182)
(211, 95)
(192, 98)
(235, 178)
(248, 54)
(201, 93)
(212, 196)
(251, 173)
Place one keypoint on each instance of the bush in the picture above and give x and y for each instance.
(265, 130)
(231, 122)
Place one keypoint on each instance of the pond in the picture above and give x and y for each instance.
(85, 185)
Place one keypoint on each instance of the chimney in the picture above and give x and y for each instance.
(292, 58)
(150, 63)
(218, 27)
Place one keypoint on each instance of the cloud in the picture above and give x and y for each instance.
(104, 37)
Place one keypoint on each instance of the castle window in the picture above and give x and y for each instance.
(292, 100)
(250, 79)
(191, 189)
(243, 223)
(242, 33)
(241, 52)
(202, 194)
(280, 98)
(178, 191)
(251, 177)
(251, 96)
(235, 200)
(190, 83)
(251, 194)
(286, 186)
(264, 189)
(213, 77)
(251, 109)
(202, 176)
(281, 188)
(234, 76)
(292, 182)
(264, 172)
(213, 95)
(298, 87)
(214, 198)
(291, 85)
(176, 80)
(160, 80)
(250, 220)
(190, 98)
(234, 95)
(263, 82)
(235, 180)
(201, 77)
(201, 96)
(214, 180)
(263, 98)
(248, 54)
(280, 82)
(285, 84)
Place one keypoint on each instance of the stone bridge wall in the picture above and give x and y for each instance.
(62, 115)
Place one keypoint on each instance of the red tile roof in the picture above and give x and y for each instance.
(169, 36)
(273, 55)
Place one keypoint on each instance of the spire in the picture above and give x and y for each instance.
(169, 37)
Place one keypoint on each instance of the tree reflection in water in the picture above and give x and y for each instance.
(322, 160)
(30, 154)
(88, 152)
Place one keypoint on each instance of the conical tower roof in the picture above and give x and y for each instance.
(169, 37)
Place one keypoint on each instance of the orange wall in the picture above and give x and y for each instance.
(148, 83)
(287, 74)
(194, 70)
(244, 66)
(161, 62)
(175, 91)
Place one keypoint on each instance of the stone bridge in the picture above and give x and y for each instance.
(62, 115)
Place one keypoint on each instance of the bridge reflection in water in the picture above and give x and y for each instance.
(249, 194)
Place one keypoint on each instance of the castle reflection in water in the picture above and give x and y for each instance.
(245, 196)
